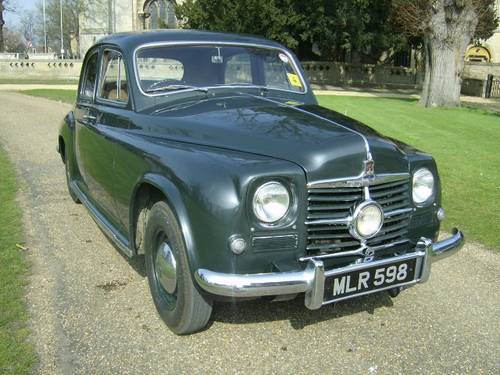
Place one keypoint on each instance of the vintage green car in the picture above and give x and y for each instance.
(208, 154)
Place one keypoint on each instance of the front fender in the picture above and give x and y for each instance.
(176, 203)
(210, 190)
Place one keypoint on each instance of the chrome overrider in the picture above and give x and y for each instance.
(311, 280)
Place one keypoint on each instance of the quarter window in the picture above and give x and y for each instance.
(90, 77)
(114, 82)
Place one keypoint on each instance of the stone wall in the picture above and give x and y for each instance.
(480, 70)
(57, 70)
(340, 74)
(319, 73)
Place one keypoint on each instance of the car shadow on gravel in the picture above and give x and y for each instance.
(263, 310)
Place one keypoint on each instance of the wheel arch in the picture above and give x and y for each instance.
(65, 137)
(61, 148)
(150, 189)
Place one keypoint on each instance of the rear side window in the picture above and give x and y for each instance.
(90, 77)
(113, 84)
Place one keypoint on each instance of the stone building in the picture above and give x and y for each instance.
(104, 17)
(489, 50)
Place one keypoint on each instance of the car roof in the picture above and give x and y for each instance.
(131, 40)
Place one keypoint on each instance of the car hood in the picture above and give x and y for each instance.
(324, 143)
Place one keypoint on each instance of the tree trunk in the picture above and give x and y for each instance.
(443, 74)
(2, 22)
(449, 31)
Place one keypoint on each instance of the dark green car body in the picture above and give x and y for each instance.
(206, 153)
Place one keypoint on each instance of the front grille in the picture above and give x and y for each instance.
(337, 203)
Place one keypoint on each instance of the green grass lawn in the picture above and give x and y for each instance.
(16, 353)
(464, 141)
(66, 96)
(466, 145)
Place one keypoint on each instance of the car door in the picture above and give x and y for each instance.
(85, 116)
(113, 110)
(94, 146)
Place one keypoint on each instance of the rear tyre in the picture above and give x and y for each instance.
(72, 194)
(181, 306)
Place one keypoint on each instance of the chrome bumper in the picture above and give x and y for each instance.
(311, 280)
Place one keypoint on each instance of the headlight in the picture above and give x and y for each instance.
(423, 186)
(271, 202)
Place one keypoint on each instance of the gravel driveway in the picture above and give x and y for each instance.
(92, 312)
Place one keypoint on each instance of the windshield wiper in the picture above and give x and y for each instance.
(263, 89)
(169, 87)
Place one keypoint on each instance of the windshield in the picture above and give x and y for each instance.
(175, 68)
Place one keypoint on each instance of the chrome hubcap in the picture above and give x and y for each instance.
(166, 268)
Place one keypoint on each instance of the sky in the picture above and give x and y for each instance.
(12, 19)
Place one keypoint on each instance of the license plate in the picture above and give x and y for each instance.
(368, 280)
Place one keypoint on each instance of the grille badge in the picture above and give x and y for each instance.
(369, 169)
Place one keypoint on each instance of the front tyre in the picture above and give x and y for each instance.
(178, 301)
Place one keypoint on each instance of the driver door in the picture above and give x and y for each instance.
(94, 147)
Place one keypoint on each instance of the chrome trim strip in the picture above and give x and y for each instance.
(348, 220)
(357, 252)
(397, 212)
(188, 43)
(358, 181)
(119, 240)
(345, 221)
(311, 280)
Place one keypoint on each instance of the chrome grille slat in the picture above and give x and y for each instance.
(327, 198)
(329, 209)
(328, 215)
(375, 186)
(384, 193)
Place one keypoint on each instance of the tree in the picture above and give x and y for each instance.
(71, 10)
(447, 28)
(14, 41)
(27, 26)
(337, 29)
(4, 7)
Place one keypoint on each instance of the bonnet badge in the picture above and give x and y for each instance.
(369, 168)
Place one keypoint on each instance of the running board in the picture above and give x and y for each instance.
(118, 239)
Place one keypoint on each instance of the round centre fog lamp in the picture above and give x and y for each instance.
(367, 221)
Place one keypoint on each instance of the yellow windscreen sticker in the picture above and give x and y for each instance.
(294, 80)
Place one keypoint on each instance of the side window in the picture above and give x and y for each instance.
(113, 85)
(238, 69)
(90, 77)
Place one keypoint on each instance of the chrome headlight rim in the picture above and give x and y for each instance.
(283, 217)
(353, 227)
(422, 173)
